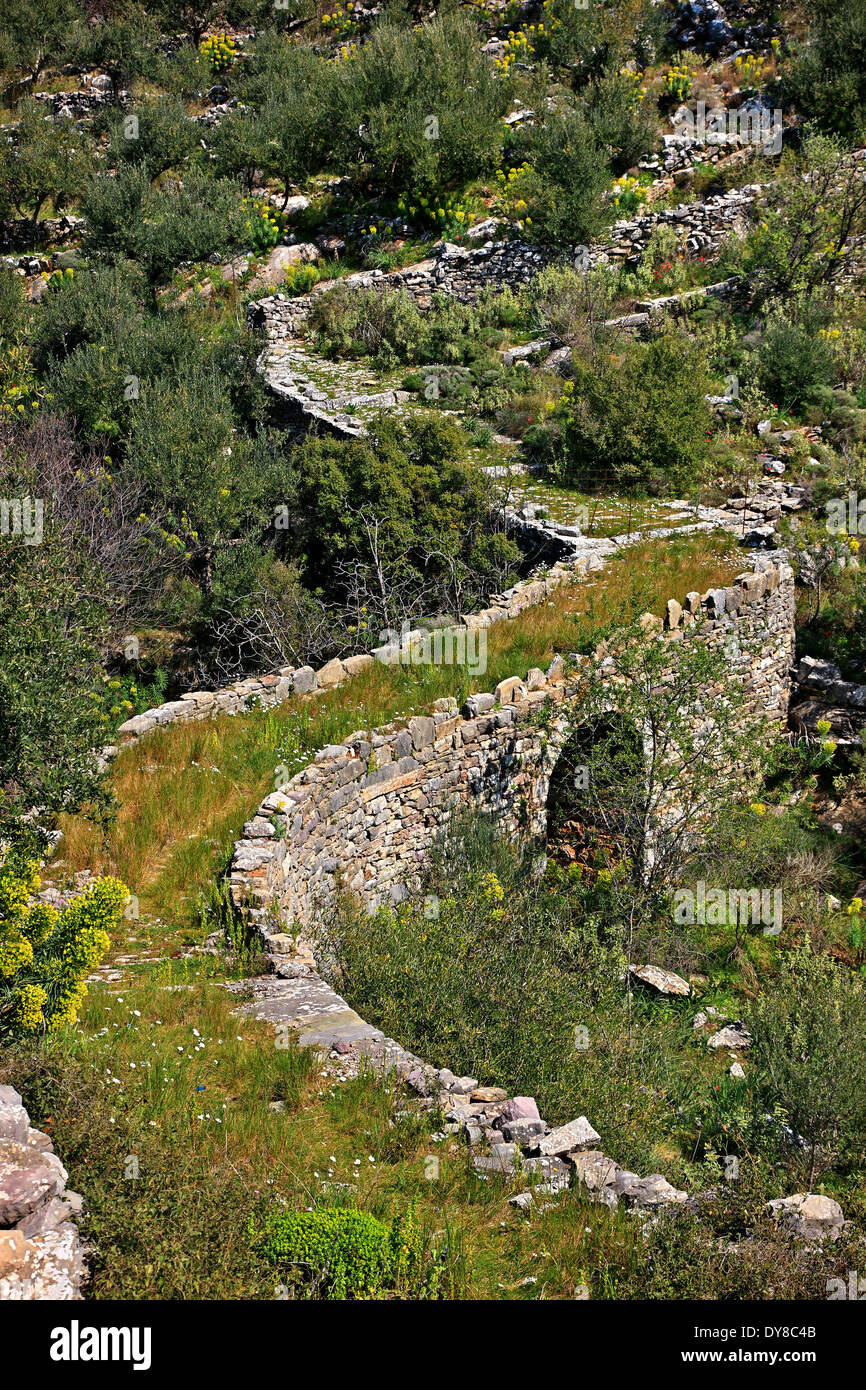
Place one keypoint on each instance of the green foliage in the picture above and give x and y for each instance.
(32, 37)
(165, 137)
(623, 124)
(400, 512)
(123, 43)
(641, 418)
(572, 170)
(159, 229)
(829, 72)
(795, 354)
(264, 225)
(47, 160)
(350, 1254)
(50, 727)
(807, 1050)
(811, 224)
(45, 954)
(427, 105)
(489, 972)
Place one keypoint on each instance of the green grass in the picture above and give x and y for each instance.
(184, 792)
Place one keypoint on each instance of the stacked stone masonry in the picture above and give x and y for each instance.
(366, 812)
(41, 1254)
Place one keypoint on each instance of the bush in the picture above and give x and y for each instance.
(350, 1254)
(573, 172)
(392, 87)
(366, 322)
(399, 520)
(160, 229)
(795, 356)
(46, 161)
(808, 1052)
(829, 75)
(640, 419)
(45, 954)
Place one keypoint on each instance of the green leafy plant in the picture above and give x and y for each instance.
(45, 954)
(349, 1254)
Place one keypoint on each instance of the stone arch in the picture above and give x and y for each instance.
(582, 819)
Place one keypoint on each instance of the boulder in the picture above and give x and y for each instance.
(577, 1134)
(593, 1169)
(523, 1132)
(663, 981)
(521, 1108)
(733, 1035)
(510, 691)
(28, 1178)
(809, 1215)
(647, 1193)
(331, 674)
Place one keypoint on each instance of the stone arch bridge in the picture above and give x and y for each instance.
(365, 813)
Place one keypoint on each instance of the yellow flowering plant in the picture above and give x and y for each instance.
(220, 51)
(264, 224)
(46, 952)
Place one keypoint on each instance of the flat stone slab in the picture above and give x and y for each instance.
(578, 1134)
(317, 1013)
(663, 981)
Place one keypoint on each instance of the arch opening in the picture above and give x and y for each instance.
(595, 799)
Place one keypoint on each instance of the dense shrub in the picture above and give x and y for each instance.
(159, 229)
(45, 954)
(829, 72)
(344, 1253)
(45, 161)
(420, 109)
(807, 1029)
(572, 171)
(640, 418)
(399, 521)
(796, 354)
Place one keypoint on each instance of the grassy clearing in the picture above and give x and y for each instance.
(185, 791)
(160, 1080)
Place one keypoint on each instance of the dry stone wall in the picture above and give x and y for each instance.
(574, 555)
(41, 1253)
(464, 271)
(365, 813)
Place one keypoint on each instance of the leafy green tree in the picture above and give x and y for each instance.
(160, 228)
(122, 42)
(794, 357)
(419, 110)
(209, 488)
(397, 522)
(165, 137)
(34, 36)
(51, 723)
(640, 417)
(46, 160)
(572, 170)
(812, 225)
